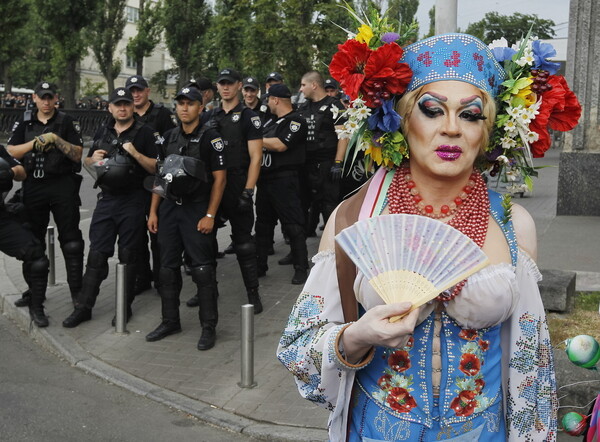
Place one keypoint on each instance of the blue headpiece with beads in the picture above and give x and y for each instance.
(460, 57)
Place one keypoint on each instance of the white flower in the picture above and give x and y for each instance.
(524, 119)
(503, 159)
(532, 137)
(358, 102)
(508, 143)
(342, 134)
(335, 111)
(515, 112)
(363, 112)
(500, 43)
(510, 127)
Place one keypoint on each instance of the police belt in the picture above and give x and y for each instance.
(283, 172)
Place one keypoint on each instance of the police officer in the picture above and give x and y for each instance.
(161, 120)
(278, 193)
(241, 129)
(185, 219)
(20, 243)
(123, 154)
(332, 88)
(250, 90)
(49, 144)
(324, 152)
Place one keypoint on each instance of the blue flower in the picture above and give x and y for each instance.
(541, 53)
(389, 37)
(503, 53)
(385, 118)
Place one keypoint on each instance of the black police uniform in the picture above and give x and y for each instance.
(120, 211)
(278, 194)
(237, 127)
(161, 120)
(20, 243)
(178, 231)
(52, 185)
(321, 192)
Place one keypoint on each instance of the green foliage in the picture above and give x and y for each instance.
(402, 12)
(228, 32)
(512, 27)
(431, 31)
(104, 34)
(92, 89)
(588, 301)
(185, 23)
(149, 30)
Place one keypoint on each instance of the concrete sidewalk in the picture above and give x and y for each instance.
(204, 384)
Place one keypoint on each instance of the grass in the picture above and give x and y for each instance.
(584, 319)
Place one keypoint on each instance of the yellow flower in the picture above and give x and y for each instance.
(526, 94)
(365, 34)
(375, 153)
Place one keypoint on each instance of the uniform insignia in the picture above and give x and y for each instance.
(236, 117)
(256, 122)
(77, 126)
(15, 126)
(195, 140)
(45, 86)
(133, 80)
(263, 108)
(174, 119)
(159, 138)
(294, 126)
(323, 108)
(185, 90)
(121, 93)
(217, 144)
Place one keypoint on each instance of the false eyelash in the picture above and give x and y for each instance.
(473, 116)
(428, 112)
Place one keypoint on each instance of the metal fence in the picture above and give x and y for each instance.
(89, 120)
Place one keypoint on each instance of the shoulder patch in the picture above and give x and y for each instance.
(217, 144)
(77, 126)
(15, 126)
(159, 139)
(174, 119)
(256, 122)
(294, 126)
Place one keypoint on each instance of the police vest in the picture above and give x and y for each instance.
(289, 159)
(231, 128)
(120, 172)
(179, 144)
(150, 118)
(320, 144)
(53, 161)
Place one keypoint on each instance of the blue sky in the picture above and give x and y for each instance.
(470, 11)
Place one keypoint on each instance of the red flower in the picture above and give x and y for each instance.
(373, 74)
(469, 364)
(410, 342)
(464, 404)
(560, 110)
(484, 345)
(480, 383)
(401, 400)
(384, 381)
(399, 361)
(469, 334)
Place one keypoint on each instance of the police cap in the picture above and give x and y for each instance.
(120, 94)
(280, 91)
(202, 84)
(136, 81)
(251, 82)
(44, 88)
(274, 76)
(330, 83)
(229, 75)
(191, 93)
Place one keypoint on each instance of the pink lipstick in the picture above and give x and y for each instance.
(448, 153)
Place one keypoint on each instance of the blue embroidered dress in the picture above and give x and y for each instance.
(496, 380)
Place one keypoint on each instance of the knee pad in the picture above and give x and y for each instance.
(98, 261)
(39, 266)
(169, 277)
(203, 275)
(33, 251)
(245, 250)
(127, 255)
(72, 249)
(293, 230)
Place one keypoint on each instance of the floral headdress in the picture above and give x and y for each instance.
(533, 100)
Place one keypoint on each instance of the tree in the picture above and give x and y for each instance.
(14, 15)
(512, 27)
(64, 21)
(431, 22)
(104, 34)
(149, 30)
(402, 11)
(227, 31)
(185, 23)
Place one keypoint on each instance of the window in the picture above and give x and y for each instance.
(130, 63)
(133, 14)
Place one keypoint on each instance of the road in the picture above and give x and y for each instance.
(42, 398)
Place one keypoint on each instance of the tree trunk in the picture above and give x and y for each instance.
(70, 86)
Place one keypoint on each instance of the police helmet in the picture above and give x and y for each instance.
(115, 173)
(5, 184)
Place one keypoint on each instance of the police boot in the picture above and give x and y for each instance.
(206, 281)
(96, 272)
(299, 253)
(170, 287)
(73, 254)
(39, 282)
(254, 299)
(24, 300)
(246, 256)
(286, 260)
(130, 259)
(230, 248)
(194, 301)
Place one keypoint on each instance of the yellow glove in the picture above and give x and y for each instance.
(44, 142)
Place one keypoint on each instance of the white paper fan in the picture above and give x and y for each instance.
(410, 257)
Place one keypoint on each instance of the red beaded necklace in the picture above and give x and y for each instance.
(469, 210)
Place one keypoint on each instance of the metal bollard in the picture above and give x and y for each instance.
(247, 352)
(51, 257)
(121, 301)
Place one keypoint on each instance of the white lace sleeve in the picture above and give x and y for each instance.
(528, 366)
(307, 345)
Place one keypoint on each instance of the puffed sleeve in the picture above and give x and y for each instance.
(528, 365)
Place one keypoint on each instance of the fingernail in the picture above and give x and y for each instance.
(406, 305)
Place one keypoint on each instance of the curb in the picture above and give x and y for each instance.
(69, 349)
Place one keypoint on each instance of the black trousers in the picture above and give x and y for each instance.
(242, 221)
(17, 241)
(320, 193)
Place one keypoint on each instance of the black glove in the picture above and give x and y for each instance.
(245, 202)
(336, 171)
